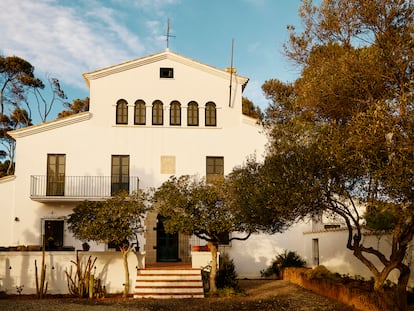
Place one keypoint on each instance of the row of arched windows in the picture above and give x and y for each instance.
(158, 113)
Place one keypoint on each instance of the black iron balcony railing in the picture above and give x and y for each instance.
(43, 187)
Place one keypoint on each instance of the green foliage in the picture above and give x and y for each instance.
(258, 193)
(283, 260)
(116, 220)
(249, 109)
(227, 277)
(21, 92)
(321, 272)
(206, 210)
(195, 207)
(342, 135)
(382, 216)
(78, 105)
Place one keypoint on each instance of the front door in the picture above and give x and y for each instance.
(167, 243)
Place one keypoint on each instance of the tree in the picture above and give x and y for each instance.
(211, 211)
(16, 76)
(342, 133)
(249, 109)
(193, 206)
(19, 89)
(78, 105)
(16, 79)
(117, 220)
(44, 105)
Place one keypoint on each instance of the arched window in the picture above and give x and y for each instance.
(157, 113)
(211, 118)
(139, 116)
(122, 112)
(175, 113)
(192, 114)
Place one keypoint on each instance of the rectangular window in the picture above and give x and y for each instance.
(167, 73)
(214, 168)
(53, 230)
(315, 252)
(119, 174)
(56, 175)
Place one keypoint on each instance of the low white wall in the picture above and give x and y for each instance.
(202, 259)
(257, 252)
(18, 269)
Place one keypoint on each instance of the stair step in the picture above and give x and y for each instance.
(169, 283)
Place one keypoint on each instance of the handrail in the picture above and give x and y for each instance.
(81, 186)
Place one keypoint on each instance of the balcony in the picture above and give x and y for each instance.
(79, 188)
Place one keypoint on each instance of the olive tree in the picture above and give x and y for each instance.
(342, 133)
(117, 220)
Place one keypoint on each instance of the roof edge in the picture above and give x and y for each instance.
(7, 178)
(167, 54)
(50, 125)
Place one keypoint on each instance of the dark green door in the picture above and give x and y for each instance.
(167, 243)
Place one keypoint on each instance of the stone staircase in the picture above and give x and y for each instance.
(169, 283)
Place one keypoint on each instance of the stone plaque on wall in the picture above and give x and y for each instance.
(167, 164)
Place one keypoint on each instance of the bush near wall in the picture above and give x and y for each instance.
(352, 293)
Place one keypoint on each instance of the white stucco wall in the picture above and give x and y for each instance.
(7, 204)
(89, 140)
(18, 268)
(257, 253)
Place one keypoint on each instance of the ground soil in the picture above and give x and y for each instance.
(260, 295)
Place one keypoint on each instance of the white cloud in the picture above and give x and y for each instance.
(148, 5)
(66, 41)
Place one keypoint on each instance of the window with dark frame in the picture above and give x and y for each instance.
(210, 114)
(192, 114)
(121, 112)
(140, 113)
(166, 73)
(53, 234)
(157, 113)
(56, 166)
(175, 113)
(119, 174)
(214, 168)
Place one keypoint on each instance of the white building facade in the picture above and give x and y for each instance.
(149, 119)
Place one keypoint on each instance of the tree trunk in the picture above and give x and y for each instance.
(401, 289)
(213, 272)
(125, 253)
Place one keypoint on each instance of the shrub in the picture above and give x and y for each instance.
(284, 260)
(321, 272)
(226, 275)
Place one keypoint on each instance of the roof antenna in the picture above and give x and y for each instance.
(231, 69)
(168, 35)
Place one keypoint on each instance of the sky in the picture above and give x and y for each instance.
(64, 39)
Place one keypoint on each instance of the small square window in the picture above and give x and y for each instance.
(167, 73)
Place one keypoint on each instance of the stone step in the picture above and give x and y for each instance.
(169, 283)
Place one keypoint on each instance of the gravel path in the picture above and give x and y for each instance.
(260, 295)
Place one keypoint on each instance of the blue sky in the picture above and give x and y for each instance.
(64, 39)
